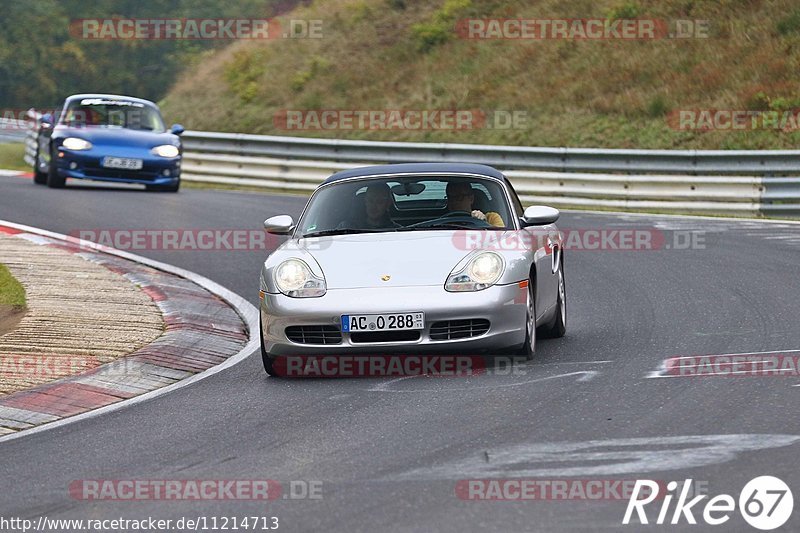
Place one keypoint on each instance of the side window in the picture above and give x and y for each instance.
(518, 209)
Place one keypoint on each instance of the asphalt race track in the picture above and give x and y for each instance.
(390, 453)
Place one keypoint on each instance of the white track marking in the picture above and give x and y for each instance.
(600, 457)
(586, 375)
(383, 386)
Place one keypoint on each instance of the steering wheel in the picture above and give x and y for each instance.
(455, 218)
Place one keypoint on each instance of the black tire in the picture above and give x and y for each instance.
(39, 178)
(528, 348)
(558, 327)
(164, 188)
(54, 181)
(265, 357)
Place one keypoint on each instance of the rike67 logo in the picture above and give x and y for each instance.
(765, 503)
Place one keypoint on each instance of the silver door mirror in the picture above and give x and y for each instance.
(279, 225)
(539, 215)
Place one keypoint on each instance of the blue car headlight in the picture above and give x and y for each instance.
(166, 150)
(74, 143)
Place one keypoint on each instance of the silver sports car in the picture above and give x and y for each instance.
(413, 258)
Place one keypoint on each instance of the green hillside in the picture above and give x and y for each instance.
(406, 55)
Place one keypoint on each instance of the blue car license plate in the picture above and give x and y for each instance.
(123, 163)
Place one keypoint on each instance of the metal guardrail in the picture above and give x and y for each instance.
(745, 183)
(13, 130)
(30, 137)
(733, 182)
(508, 157)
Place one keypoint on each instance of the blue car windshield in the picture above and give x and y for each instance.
(113, 114)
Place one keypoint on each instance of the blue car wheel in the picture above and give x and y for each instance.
(39, 177)
(54, 181)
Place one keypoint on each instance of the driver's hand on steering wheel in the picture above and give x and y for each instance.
(478, 214)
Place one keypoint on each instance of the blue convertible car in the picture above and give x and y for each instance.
(108, 138)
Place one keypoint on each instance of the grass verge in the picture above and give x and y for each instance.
(12, 293)
(11, 157)
(12, 301)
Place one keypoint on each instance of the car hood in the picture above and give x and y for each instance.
(100, 136)
(409, 258)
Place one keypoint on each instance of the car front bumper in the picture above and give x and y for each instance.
(89, 166)
(504, 306)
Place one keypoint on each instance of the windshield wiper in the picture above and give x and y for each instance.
(342, 231)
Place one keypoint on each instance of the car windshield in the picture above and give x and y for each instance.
(113, 113)
(373, 205)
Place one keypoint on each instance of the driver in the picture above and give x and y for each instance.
(460, 197)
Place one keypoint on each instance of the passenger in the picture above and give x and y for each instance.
(460, 197)
(377, 201)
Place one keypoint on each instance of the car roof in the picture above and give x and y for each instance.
(418, 168)
(111, 97)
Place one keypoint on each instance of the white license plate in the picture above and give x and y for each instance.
(122, 162)
(385, 322)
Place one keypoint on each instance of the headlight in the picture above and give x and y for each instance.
(294, 278)
(73, 143)
(166, 150)
(481, 272)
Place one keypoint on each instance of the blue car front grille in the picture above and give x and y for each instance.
(121, 174)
